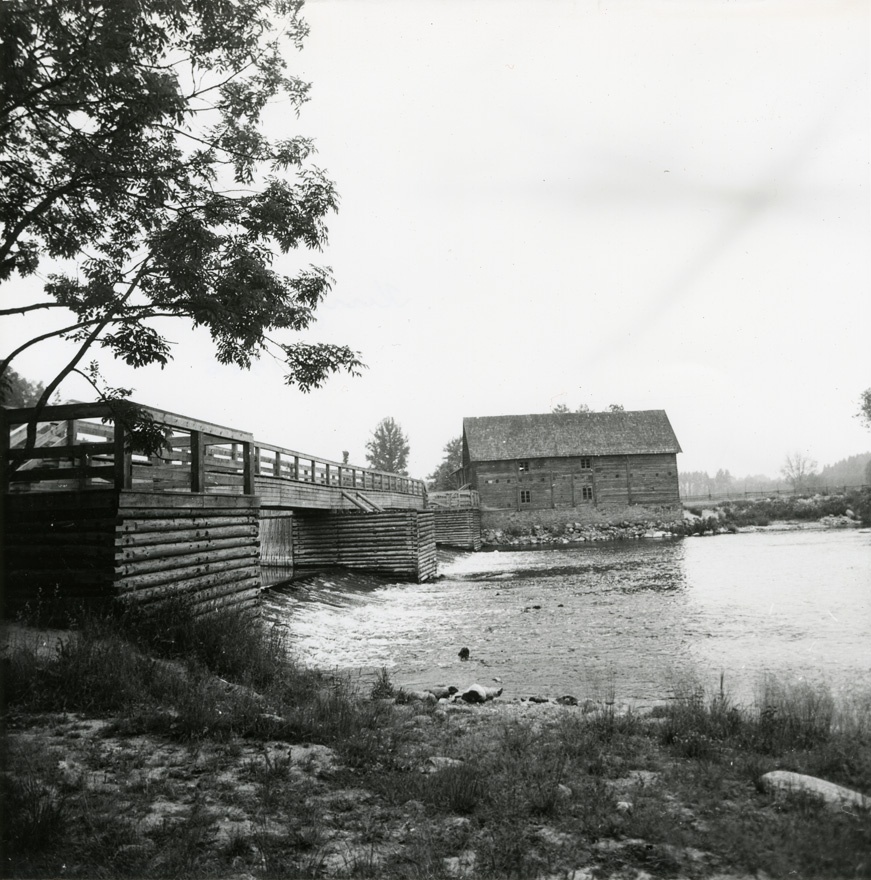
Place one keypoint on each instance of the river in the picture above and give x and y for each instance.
(632, 621)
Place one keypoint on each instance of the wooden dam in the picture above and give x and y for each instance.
(212, 518)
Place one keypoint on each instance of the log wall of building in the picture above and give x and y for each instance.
(396, 542)
(458, 528)
(562, 483)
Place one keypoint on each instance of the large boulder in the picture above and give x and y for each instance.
(834, 795)
(479, 694)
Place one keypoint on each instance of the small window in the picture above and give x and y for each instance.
(524, 496)
(585, 462)
(523, 467)
(588, 493)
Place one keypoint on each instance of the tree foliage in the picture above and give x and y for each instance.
(16, 391)
(865, 407)
(444, 477)
(135, 162)
(387, 449)
(563, 408)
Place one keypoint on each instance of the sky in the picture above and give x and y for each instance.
(661, 204)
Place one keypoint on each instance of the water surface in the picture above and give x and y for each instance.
(633, 618)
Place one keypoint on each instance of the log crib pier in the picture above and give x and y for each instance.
(86, 518)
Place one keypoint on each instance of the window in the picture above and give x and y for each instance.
(523, 467)
(585, 462)
(524, 496)
(587, 493)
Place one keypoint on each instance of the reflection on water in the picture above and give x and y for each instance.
(632, 618)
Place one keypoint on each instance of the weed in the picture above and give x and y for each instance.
(383, 687)
(34, 814)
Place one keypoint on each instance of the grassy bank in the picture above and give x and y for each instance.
(183, 748)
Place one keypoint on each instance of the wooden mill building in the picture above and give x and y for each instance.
(584, 466)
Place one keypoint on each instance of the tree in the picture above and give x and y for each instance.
(387, 449)
(16, 391)
(563, 408)
(444, 476)
(798, 469)
(864, 413)
(134, 160)
(616, 407)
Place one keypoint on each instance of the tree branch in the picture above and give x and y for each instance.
(73, 363)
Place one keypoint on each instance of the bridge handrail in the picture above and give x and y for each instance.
(225, 458)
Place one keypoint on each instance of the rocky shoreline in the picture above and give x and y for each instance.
(706, 524)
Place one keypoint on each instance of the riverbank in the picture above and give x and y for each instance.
(840, 511)
(196, 749)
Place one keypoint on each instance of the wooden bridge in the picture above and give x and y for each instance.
(87, 512)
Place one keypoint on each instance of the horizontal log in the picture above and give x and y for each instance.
(180, 563)
(183, 548)
(49, 554)
(154, 539)
(61, 575)
(218, 572)
(201, 592)
(194, 521)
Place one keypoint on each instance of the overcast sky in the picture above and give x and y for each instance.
(662, 204)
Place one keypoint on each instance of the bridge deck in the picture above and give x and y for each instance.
(80, 447)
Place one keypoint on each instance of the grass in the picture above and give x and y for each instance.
(179, 750)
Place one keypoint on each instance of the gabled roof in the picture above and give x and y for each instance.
(554, 435)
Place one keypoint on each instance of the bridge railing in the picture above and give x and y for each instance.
(80, 446)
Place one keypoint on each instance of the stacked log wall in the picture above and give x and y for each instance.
(58, 549)
(458, 528)
(203, 549)
(86, 548)
(397, 542)
(613, 481)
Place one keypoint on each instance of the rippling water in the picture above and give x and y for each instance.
(629, 618)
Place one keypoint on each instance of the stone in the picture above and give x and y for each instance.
(834, 795)
(439, 762)
(477, 693)
(440, 691)
(405, 696)
(567, 700)
(624, 807)
(462, 865)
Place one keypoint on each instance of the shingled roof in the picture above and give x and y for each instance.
(553, 435)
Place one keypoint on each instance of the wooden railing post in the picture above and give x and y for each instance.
(123, 459)
(296, 467)
(248, 463)
(277, 465)
(198, 462)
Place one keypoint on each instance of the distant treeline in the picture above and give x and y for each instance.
(852, 471)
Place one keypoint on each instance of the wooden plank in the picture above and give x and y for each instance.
(67, 451)
(60, 412)
(78, 472)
